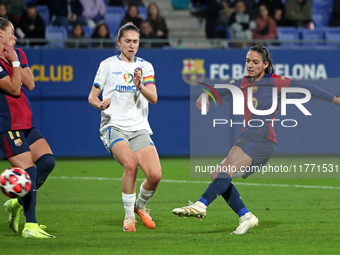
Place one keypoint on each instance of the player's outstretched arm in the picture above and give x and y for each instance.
(336, 100)
(95, 101)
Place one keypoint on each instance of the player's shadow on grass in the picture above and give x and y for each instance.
(267, 224)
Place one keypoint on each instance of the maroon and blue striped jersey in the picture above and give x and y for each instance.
(262, 99)
(15, 112)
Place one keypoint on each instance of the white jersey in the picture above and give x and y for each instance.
(129, 108)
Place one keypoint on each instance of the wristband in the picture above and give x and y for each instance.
(15, 64)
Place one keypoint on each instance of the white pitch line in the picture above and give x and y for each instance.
(199, 182)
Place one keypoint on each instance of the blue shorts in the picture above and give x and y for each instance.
(17, 141)
(259, 148)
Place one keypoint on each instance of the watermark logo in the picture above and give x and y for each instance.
(204, 99)
(193, 71)
(252, 103)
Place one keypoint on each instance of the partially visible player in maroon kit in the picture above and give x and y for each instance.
(256, 144)
(21, 143)
(262, 98)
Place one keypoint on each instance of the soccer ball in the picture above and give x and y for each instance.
(15, 182)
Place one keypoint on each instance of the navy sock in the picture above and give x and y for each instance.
(45, 165)
(217, 187)
(30, 200)
(233, 198)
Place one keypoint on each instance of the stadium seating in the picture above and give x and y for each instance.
(113, 17)
(44, 12)
(321, 18)
(332, 34)
(287, 34)
(57, 35)
(88, 31)
(322, 4)
(143, 11)
(312, 35)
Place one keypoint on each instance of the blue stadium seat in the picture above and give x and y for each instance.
(312, 35)
(332, 36)
(143, 11)
(57, 35)
(322, 4)
(113, 17)
(321, 18)
(44, 12)
(115, 9)
(287, 34)
(88, 31)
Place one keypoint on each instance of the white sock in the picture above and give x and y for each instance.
(144, 197)
(129, 204)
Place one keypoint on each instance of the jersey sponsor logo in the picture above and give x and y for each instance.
(128, 77)
(125, 88)
(193, 71)
(116, 72)
(18, 142)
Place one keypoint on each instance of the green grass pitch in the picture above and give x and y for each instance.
(85, 213)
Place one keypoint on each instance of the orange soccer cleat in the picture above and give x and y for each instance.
(129, 225)
(145, 217)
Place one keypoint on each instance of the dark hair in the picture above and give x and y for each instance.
(264, 52)
(127, 26)
(95, 33)
(158, 15)
(127, 15)
(4, 22)
(75, 25)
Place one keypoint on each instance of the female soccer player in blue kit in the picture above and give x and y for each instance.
(255, 145)
(21, 143)
(128, 86)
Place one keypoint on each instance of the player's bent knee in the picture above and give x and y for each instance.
(154, 178)
(131, 168)
(46, 161)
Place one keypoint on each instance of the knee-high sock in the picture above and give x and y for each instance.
(217, 187)
(233, 198)
(129, 204)
(45, 165)
(30, 200)
(144, 197)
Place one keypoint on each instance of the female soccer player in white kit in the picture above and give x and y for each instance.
(127, 84)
